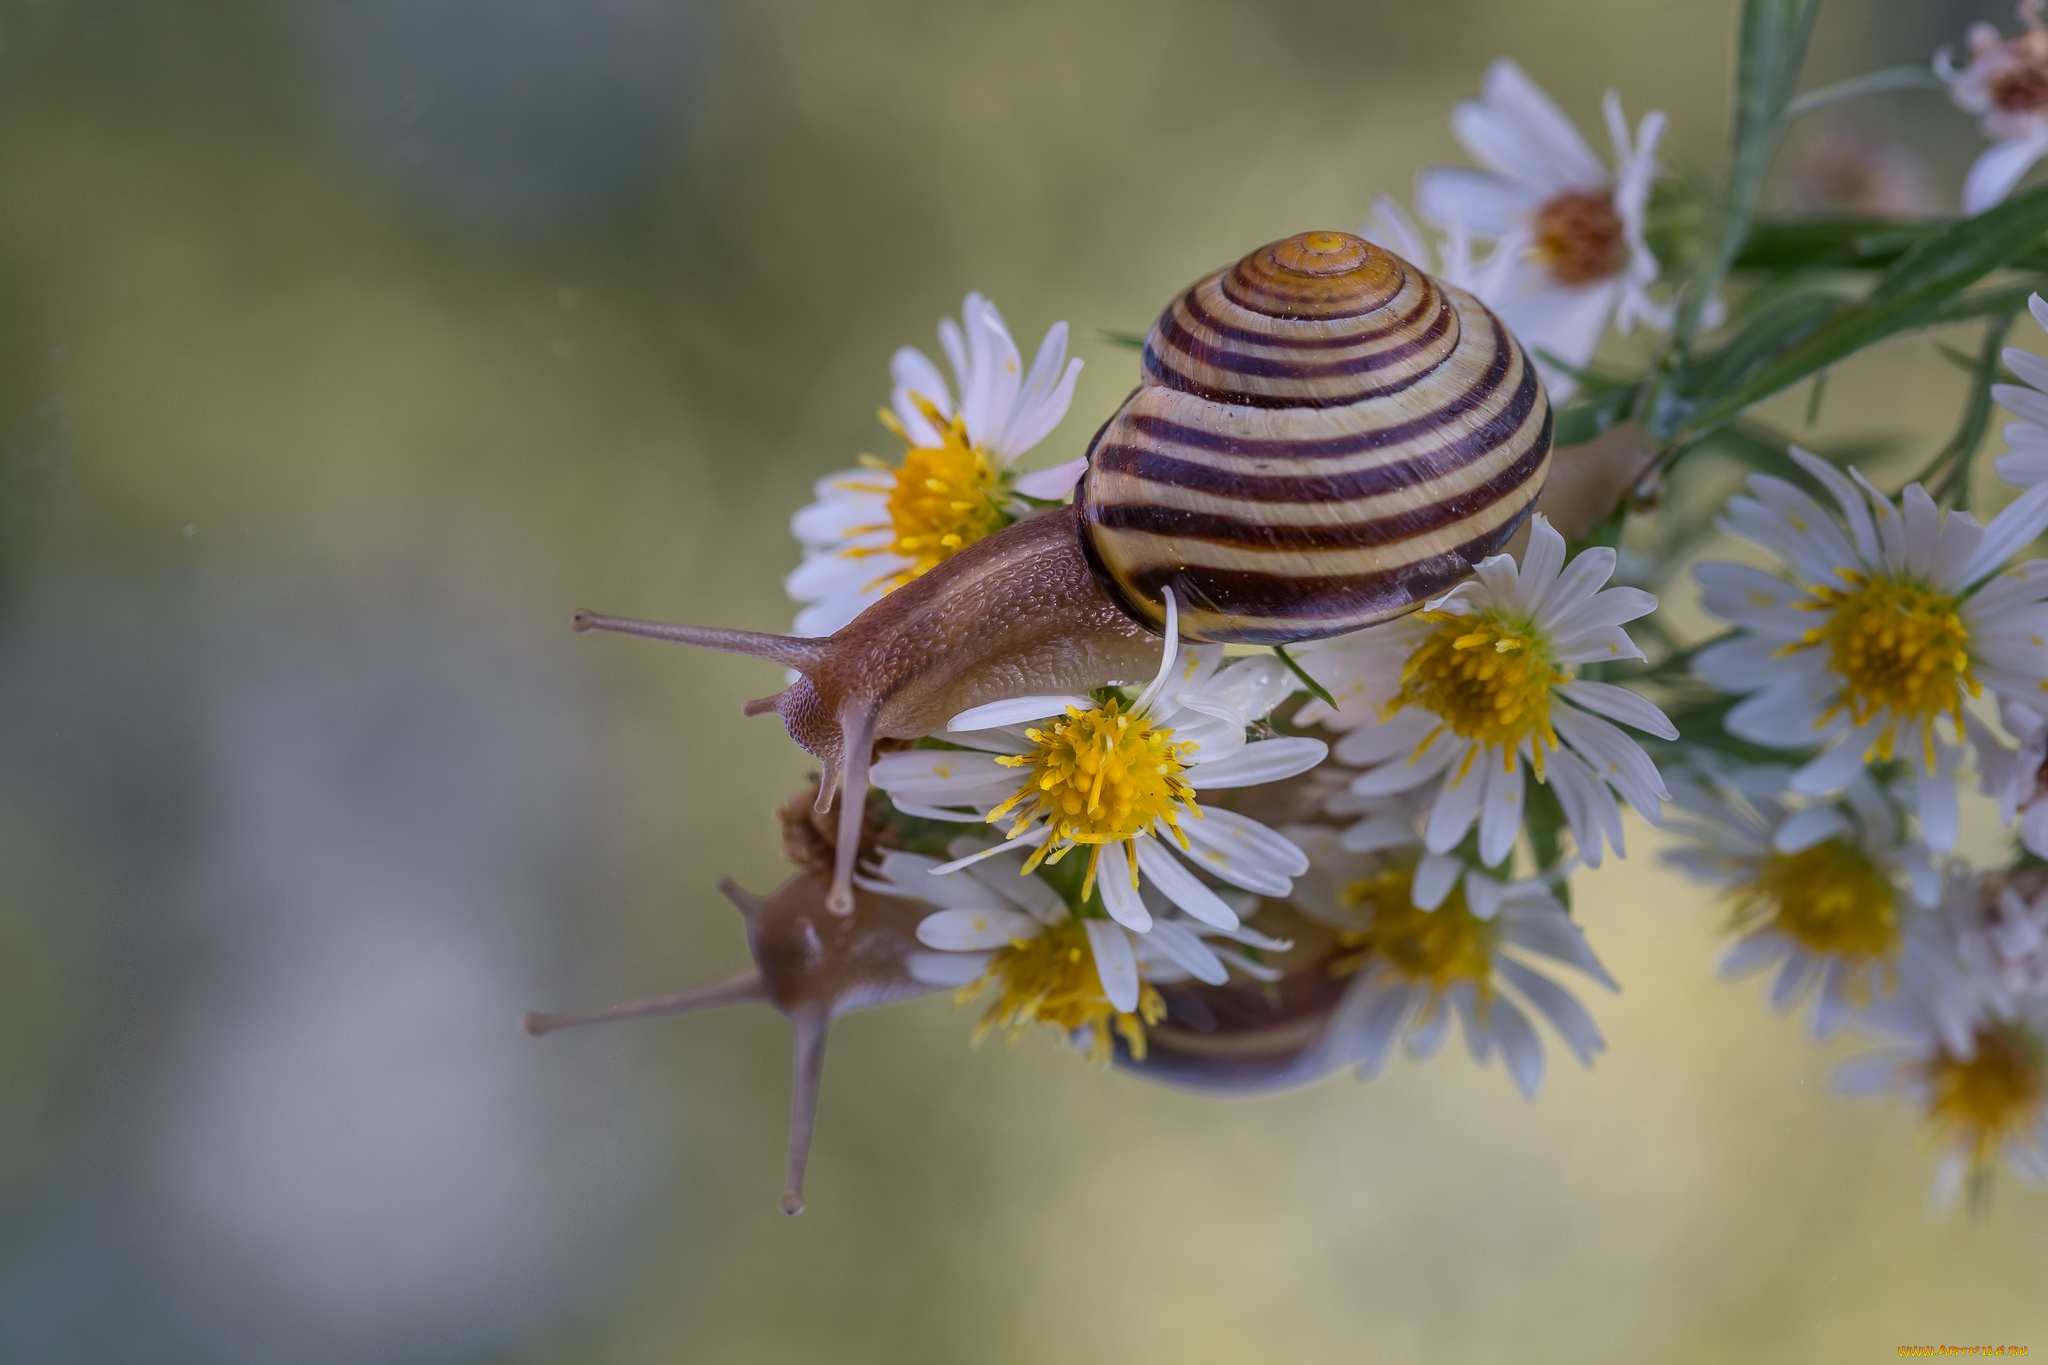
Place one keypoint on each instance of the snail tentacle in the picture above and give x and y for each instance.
(857, 751)
(809, 1028)
(746, 988)
(793, 651)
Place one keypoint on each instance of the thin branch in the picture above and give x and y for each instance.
(1880, 82)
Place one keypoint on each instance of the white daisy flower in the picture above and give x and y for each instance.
(874, 529)
(2025, 462)
(1120, 779)
(1088, 977)
(1998, 925)
(2005, 85)
(1832, 896)
(1574, 227)
(1482, 682)
(1429, 942)
(1891, 619)
(1983, 1101)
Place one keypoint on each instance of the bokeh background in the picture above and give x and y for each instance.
(346, 346)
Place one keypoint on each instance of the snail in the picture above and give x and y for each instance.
(810, 965)
(1323, 438)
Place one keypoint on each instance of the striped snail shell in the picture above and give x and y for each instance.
(1324, 438)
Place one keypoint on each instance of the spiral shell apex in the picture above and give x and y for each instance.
(1325, 436)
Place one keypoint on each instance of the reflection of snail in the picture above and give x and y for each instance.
(813, 967)
(1241, 1037)
(1324, 437)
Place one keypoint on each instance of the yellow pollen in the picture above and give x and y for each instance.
(1051, 980)
(1099, 777)
(1997, 1094)
(943, 499)
(1439, 947)
(1898, 649)
(1487, 678)
(1832, 900)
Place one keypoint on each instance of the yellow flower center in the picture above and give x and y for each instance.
(943, 499)
(1051, 979)
(1579, 237)
(1897, 648)
(1487, 678)
(1995, 1095)
(1099, 777)
(1439, 947)
(1832, 899)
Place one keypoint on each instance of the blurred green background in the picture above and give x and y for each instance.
(346, 347)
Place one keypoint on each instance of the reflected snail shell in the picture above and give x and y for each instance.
(1247, 1037)
(1325, 437)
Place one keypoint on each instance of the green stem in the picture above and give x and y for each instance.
(1770, 50)
(1321, 693)
(1955, 459)
(1813, 399)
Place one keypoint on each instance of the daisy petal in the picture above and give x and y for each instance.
(965, 931)
(1116, 966)
(1520, 1049)
(1017, 711)
(946, 971)
(1054, 484)
(1181, 886)
(1268, 760)
(1618, 703)
(1559, 1006)
(1119, 895)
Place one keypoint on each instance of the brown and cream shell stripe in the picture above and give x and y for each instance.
(1324, 436)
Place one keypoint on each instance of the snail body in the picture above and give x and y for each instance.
(1324, 438)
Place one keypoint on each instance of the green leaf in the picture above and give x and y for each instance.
(1988, 303)
(1765, 333)
(1134, 340)
(1911, 294)
(1778, 246)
